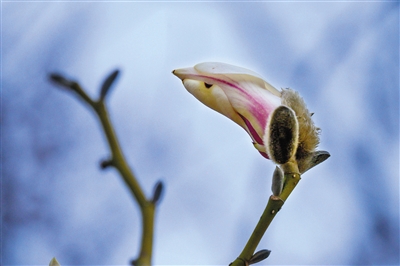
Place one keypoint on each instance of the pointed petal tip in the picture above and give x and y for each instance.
(182, 73)
(175, 72)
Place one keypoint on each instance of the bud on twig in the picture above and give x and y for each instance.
(319, 157)
(277, 182)
(105, 163)
(158, 189)
(62, 81)
(259, 256)
(312, 160)
(107, 84)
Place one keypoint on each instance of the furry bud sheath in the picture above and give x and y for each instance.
(282, 134)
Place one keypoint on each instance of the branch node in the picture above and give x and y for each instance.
(106, 163)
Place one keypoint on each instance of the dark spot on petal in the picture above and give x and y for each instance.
(207, 85)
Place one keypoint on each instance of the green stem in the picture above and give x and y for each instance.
(78, 89)
(117, 157)
(270, 211)
(291, 181)
(147, 207)
(147, 238)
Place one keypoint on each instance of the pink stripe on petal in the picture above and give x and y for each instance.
(264, 154)
(259, 110)
(256, 137)
(224, 82)
(253, 132)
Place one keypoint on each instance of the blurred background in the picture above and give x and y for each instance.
(342, 57)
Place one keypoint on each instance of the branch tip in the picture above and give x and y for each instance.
(107, 84)
(62, 81)
(54, 262)
(158, 189)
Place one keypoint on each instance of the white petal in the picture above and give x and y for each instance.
(236, 73)
(213, 97)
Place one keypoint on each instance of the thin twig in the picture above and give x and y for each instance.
(118, 161)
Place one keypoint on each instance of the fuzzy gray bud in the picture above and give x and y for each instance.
(281, 134)
(277, 182)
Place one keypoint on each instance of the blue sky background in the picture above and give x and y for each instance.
(343, 58)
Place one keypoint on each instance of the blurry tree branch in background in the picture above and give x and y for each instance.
(118, 161)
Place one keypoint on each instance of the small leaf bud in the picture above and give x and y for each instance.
(277, 182)
(158, 189)
(259, 256)
(107, 83)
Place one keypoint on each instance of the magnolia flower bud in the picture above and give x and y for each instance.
(278, 122)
